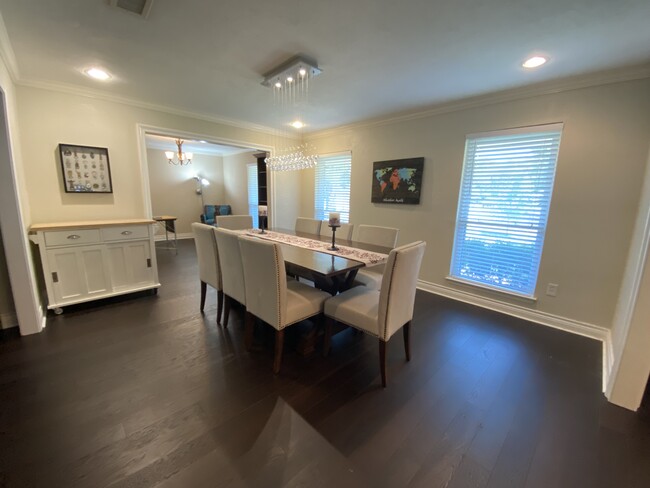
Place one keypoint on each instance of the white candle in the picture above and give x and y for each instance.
(335, 218)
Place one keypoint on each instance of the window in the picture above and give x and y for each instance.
(253, 211)
(332, 186)
(503, 206)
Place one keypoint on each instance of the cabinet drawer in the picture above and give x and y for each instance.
(125, 232)
(71, 237)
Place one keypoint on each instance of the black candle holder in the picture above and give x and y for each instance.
(333, 247)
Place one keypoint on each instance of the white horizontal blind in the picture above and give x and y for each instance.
(253, 211)
(503, 207)
(332, 186)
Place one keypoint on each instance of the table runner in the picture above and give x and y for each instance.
(369, 258)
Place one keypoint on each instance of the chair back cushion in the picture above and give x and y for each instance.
(380, 236)
(397, 295)
(344, 232)
(265, 279)
(235, 222)
(232, 271)
(207, 255)
(308, 226)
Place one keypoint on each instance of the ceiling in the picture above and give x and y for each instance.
(165, 143)
(378, 57)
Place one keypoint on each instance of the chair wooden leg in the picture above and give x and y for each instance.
(407, 340)
(204, 289)
(226, 310)
(327, 338)
(279, 344)
(219, 305)
(248, 330)
(382, 362)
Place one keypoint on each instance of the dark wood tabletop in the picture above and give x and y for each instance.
(311, 263)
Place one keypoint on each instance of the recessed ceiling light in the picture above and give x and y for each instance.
(534, 62)
(297, 124)
(203, 142)
(98, 74)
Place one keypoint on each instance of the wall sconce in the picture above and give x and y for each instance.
(200, 183)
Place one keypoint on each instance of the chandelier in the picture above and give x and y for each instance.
(183, 158)
(290, 85)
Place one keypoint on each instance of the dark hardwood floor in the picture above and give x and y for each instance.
(145, 391)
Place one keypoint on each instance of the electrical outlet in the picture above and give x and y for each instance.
(551, 289)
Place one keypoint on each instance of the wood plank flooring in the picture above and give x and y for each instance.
(145, 391)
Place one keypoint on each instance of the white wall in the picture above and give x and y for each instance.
(600, 170)
(631, 328)
(173, 188)
(15, 213)
(7, 310)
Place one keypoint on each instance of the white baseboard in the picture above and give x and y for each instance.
(557, 322)
(8, 320)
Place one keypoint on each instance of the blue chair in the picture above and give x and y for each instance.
(210, 213)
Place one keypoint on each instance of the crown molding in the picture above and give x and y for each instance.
(630, 73)
(7, 52)
(109, 97)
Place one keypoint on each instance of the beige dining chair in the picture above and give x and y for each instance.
(308, 226)
(344, 232)
(270, 297)
(208, 258)
(381, 313)
(232, 271)
(235, 222)
(381, 236)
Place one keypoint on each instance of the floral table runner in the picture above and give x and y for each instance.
(369, 258)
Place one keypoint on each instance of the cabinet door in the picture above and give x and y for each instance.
(130, 265)
(78, 273)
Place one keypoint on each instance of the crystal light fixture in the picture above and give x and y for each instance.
(183, 158)
(290, 85)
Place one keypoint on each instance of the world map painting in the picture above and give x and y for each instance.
(398, 181)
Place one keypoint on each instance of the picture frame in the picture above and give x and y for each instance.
(397, 181)
(85, 169)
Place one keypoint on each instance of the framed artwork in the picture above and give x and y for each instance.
(86, 169)
(398, 181)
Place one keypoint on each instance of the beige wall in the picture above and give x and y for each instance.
(48, 118)
(600, 170)
(173, 188)
(236, 181)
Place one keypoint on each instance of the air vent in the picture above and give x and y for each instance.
(138, 7)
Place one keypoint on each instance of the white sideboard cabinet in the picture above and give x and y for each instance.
(85, 261)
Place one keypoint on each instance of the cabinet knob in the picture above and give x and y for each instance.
(127, 233)
(74, 236)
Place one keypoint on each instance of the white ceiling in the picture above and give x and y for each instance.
(165, 143)
(378, 57)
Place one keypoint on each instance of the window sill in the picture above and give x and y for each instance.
(499, 291)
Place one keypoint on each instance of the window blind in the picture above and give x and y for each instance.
(253, 211)
(503, 207)
(332, 186)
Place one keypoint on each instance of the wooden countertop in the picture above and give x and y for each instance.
(88, 223)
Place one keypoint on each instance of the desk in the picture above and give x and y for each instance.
(168, 223)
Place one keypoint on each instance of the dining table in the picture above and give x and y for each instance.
(329, 272)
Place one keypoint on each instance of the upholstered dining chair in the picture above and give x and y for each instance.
(381, 313)
(308, 226)
(344, 232)
(232, 271)
(208, 257)
(270, 297)
(235, 222)
(381, 236)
